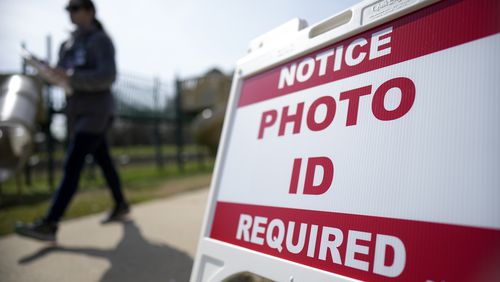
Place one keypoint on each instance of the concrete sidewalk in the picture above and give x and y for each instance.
(157, 244)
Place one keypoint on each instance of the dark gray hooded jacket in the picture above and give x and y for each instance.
(90, 55)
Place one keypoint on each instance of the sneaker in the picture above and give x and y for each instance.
(40, 230)
(118, 214)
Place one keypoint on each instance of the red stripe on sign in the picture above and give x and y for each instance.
(362, 247)
(435, 28)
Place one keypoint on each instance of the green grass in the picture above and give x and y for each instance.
(134, 151)
(141, 183)
(151, 150)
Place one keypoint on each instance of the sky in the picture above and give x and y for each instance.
(162, 38)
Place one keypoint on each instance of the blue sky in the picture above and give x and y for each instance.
(158, 37)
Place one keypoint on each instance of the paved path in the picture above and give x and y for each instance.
(157, 244)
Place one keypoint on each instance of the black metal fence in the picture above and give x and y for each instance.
(149, 115)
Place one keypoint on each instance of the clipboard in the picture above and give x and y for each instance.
(45, 71)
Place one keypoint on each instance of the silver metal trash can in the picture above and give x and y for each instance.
(20, 100)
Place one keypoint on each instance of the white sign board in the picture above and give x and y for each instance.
(370, 151)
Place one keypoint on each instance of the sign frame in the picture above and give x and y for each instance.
(216, 260)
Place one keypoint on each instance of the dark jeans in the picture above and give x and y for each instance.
(82, 145)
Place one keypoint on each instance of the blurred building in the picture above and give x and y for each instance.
(203, 103)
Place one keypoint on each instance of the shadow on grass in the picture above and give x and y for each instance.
(133, 259)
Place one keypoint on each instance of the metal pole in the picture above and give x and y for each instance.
(49, 48)
(178, 125)
(27, 173)
(157, 135)
(27, 168)
(48, 133)
(19, 183)
(23, 61)
(200, 157)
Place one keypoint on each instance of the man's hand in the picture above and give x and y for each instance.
(61, 74)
